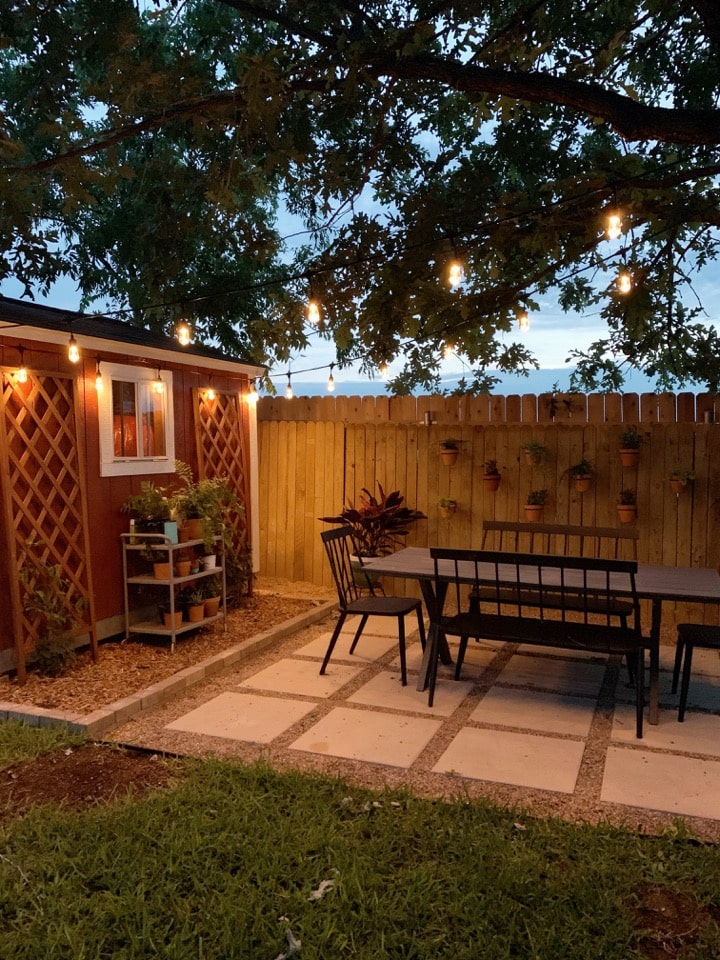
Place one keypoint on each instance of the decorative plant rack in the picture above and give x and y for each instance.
(43, 495)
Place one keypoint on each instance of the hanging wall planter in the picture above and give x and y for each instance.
(627, 507)
(679, 479)
(630, 442)
(533, 451)
(581, 474)
(447, 507)
(449, 450)
(491, 476)
(535, 504)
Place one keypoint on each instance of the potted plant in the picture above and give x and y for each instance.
(378, 524)
(449, 450)
(150, 509)
(171, 620)
(627, 506)
(491, 475)
(447, 507)
(679, 479)
(195, 605)
(202, 504)
(211, 591)
(630, 443)
(535, 504)
(581, 474)
(533, 451)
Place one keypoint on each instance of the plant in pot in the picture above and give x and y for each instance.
(203, 504)
(447, 507)
(581, 475)
(679, 479)
(491, 475)
(449, 450)
(630, 443)
(535, 504)
(212, 593)
(172, 619)
(150, 508)
(195, 604)
(627, 506)
(533, 451)
(378, 524)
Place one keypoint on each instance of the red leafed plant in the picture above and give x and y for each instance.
(378, 524)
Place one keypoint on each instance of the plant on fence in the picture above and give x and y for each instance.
(449, 450)
(681, 476)
(48, 603)
(534, 451)
(378, 524)
(447, 507)
(581, 475)
(537, 498)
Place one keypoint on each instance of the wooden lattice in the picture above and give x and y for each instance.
(222, 450)
(44, 499)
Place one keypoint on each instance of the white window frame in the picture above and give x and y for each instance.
(112, 466)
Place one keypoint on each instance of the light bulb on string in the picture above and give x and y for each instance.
(523, 319)
(252, 394)
(183, 333)
(331, 380)
(455, 273)
(98, 375)
(210, 392)
(288, 388)
(448, 350)
(384, 370)
(158, 386)
(624, 281)
(22, 374)
(73, 349)
(313, 312)
(613, 228)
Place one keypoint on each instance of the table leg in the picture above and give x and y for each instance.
(436, 642)
(655, 620)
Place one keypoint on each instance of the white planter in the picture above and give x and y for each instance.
(209, 562)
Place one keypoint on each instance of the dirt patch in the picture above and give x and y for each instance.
(80, 777)
(671, 921)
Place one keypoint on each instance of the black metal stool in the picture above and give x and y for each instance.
(691, 635)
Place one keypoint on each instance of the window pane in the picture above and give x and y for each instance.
(124, 419)
(152, 419)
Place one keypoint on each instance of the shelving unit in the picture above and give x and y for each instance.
(135, 544)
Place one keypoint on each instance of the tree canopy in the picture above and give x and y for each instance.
(147, 151)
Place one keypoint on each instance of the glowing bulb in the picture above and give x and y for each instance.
(158, 385)
(73, 349)
(523, 320)
(384, 370)
(614, 226)
(455, 273)
(252, 394)
(210, 393)
(331, 380)
(184, 334)
(22, 375)
(624, 282)
(289, 389)
(448, 351)
(98, 377)
(313, 312)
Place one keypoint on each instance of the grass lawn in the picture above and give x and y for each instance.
(243, 862)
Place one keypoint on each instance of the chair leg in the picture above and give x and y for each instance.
(363, 621)
(401, 645)
(685, 685)
(639, 690)
(333, 641)
(679, 650)
(421, 629)
(434, 656)
(461, 656)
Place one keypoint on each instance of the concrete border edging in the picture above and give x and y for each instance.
(105, 719)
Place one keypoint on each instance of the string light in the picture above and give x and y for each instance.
(455, 273)
(288, 388)
(73, 349)
(624, 281)
(183, 333)
(210, 393)
(331, 380)
(614, 226)
(98, 375)
(448, 350)
(313, 312)
(22, 373)
(523, 319)
(384, 370)
(252, 394)
(158, 385)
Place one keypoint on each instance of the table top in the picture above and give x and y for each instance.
(653, 581)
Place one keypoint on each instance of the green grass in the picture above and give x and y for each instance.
(223, 864)
(19, 741)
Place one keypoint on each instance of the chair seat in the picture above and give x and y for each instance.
(553, 601)
(382, 606)
(699, 634)
(690, 635)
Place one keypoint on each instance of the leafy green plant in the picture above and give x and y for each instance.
(450, 444)
(630, 439)
(627, 498)
(150, 505)
(490, 468)
(582, 468)
(207, 500)
(447, 503)
(682, 475)
(378, 524)
(48, 604)
(534, 450)
(537, 498)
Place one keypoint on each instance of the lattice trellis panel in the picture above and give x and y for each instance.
(222, 450)
(44, 496)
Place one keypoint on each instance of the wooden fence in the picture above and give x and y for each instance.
(310, 467)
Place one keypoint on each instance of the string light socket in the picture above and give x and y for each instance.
(288, 388)
(331, 380)
(73, 349)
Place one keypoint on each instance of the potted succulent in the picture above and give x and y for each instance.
(171, 620)
(630, 443)
(581, 475)
(211, 591)
(449, 450)
(196, 605)
(447, 507)
(535, 504)
(533, 451)
(378, 524)
(679, 479)
(491, 475)
(627, 506)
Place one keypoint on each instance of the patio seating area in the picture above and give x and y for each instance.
(550, 731)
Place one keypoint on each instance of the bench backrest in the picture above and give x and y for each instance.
(560, 539)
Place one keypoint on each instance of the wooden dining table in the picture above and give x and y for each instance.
(654, 582)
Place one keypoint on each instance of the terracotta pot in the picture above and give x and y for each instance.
(449, 457)
(161, 571)
(629, 456)
(182, 568)
(534, 511)
(532, 459)
(193, 529)
(583, 483)
(212, 606)
(677, 486)
(627, 512)
(447, 512)
(173, 620)
(491, 481)
(196, 612)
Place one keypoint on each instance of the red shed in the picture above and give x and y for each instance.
(64, 472)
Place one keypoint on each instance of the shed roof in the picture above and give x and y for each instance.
(95, 331)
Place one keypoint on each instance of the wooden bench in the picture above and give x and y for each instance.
(577, 603)
(560, 539)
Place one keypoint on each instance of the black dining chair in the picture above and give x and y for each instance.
(340, 548)
(691, 635)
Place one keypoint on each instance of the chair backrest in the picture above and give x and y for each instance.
(528, 584)
(560, 539)
(345, 564)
